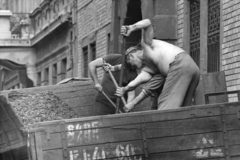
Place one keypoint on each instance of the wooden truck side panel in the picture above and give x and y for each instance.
(191, 133)
(12, 140)
(80, 96)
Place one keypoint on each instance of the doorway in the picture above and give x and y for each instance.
(133, 15)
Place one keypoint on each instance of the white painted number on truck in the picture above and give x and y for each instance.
(207, 148)
(82, 133)
(121, 152)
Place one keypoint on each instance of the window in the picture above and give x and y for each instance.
(54, 74)
(85, 61)
(46, 76)
(108, 43)
(39, 78)
(93, 51)
(195, 30)
(64, 68)
(55, 7)
(213, 35)
(39, 23)
(211, 62)
(88, 54)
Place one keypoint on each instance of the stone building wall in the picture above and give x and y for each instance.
(53, 39)
(94, 19)
(231, 44)
(180, 6)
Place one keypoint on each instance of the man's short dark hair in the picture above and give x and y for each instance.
(133, 49)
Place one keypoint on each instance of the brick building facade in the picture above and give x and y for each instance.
(209, 31)
(206, 29)
(231, 44)
(94, 20)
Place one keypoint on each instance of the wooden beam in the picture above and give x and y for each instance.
(204, 36)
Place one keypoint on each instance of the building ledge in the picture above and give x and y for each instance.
(5, 13)
(60, 20)
(15, 43)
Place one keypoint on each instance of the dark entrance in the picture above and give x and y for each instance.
(133, 15)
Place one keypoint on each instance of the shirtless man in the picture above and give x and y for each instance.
(158, 57)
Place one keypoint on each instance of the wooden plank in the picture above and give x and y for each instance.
(125, 150)
(9, 112)
(97, 122)
(55, 141)
(80, 101)
(6, 156)
(12, 147)
(8, 125)
(12, 135)
(86, 136)
(2, 141)
(149, 116)
(38, 146)
(234, 150)
(233, 137)
(104, 135)
(54, 88)
(215, 82)
(3, 116)
(203, 154)
(86, 111)
(183, 127)
(185, 133)
(235, 158)
(75, 94)
(33, 147)
(72, 88)
(199, 97)
(183, 113)
(17, 142)
(51, 128)
(177, 143)
(20, 153)
(53, 154)
(232, 108)
(232, 122)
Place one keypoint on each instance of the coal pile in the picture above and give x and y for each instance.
(39, 107)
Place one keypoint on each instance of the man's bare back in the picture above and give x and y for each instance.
(159, 56)
(181, 77)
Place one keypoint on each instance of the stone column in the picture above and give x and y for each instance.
(5, 32)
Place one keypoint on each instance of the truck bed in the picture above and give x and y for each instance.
(189, 133)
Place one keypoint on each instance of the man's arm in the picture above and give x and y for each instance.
(146, 26)
(93, 72)
(156, 83)
(131, 96)
(141, 78)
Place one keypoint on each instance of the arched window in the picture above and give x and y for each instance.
(195, 30)
(39, 22)
(48, 16)
(55, 7)
(213, 35)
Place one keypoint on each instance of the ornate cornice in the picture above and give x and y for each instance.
(15, 43)
(61, 19)
(44, 3)
(34, 12)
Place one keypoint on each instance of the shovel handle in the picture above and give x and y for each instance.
(116, 85)
(110, 100)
